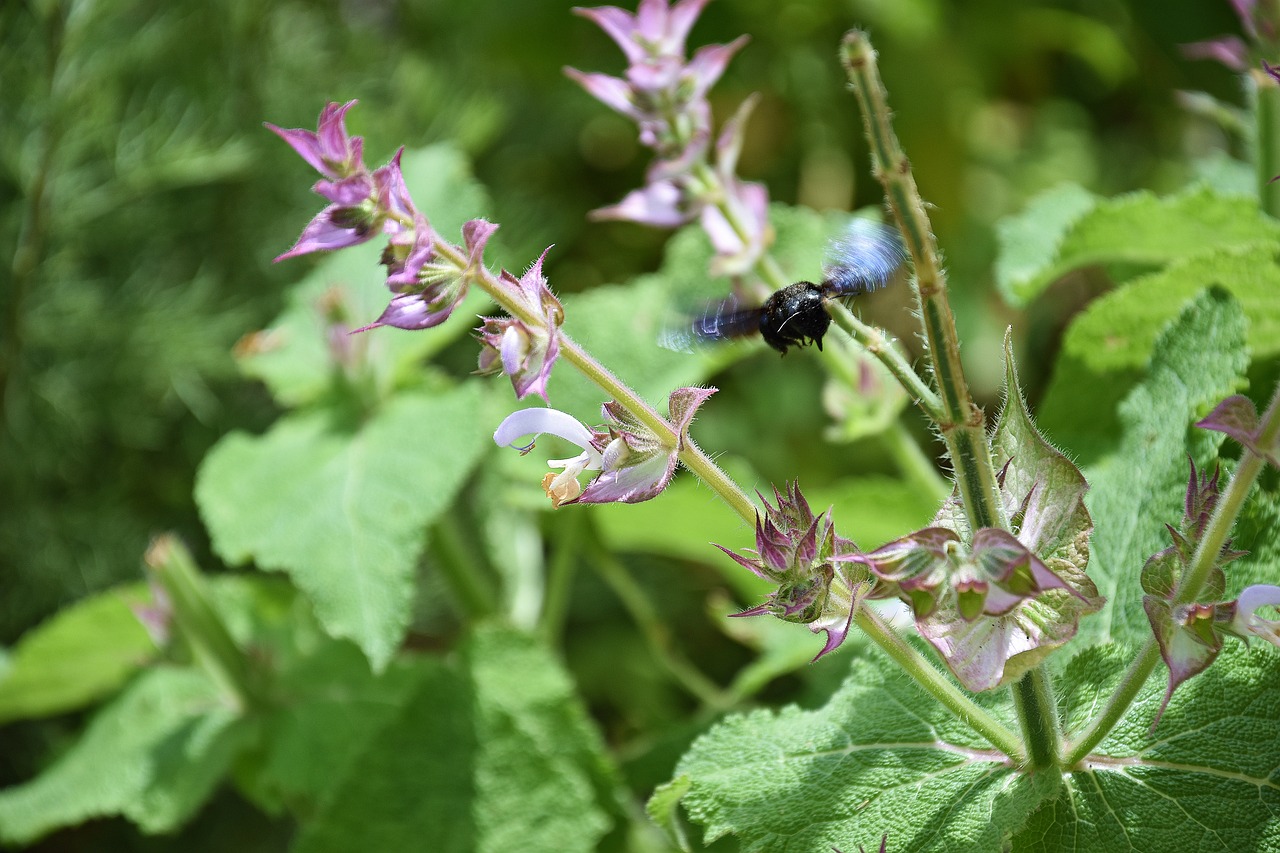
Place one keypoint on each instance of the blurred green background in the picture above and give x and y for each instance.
(141, 202)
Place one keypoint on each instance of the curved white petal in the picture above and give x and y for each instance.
(537, 421)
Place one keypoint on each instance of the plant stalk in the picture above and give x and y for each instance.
(961, 422)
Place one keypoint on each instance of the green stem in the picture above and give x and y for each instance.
(1037, 715)
(1117, 705)
(1228, 508)
(655, 633)
(198, 622)
(1267, 139)
(564, 563)
(938, 686)
(878, 344)
(960, 421)
(1189, 586)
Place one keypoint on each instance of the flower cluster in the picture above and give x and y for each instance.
(665, 95)
(818, 585)
(634, 462)
(1191, 633)
(426, 284)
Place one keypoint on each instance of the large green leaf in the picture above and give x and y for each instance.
(1205, 780)
(877, 759)
(78, 656)
(493, 754)
(1066, 228)
(1107, 349)
(152, 755)
(1135, 492)
(343, 509)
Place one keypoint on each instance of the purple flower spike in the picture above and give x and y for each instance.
(818, 583)
(638, 464)
(634, 463)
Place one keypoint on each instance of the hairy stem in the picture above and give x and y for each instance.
(1037, 713)
(199, 624)
(690, 456)
(878, 344)
(960, 421)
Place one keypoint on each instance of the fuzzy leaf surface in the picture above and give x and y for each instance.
(1109, 346)
(492, 754)
(1197, 361)
(342, 509)
(878, 758)
(1207, 780)
(153, 755)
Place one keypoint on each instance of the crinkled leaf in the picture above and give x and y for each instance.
(153, 755)
(1208, 782)
(1066, 229)
(292, 355)
(495, 753)
(1197, 361)
(343, 510)
(1108, 347)
(878, 758)
(77, 656)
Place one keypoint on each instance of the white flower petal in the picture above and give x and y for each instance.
(537, 421)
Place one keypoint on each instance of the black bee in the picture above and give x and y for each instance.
(858, 261)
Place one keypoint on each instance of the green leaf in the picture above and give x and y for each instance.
(293, 355)
(1066, 229)
(1205, 781)
(343, 509)
(1197, 361)
(153, 755)
(76, 657)
(1031, 241)
(335, 707)
(877, 759)
(664, 808)
(1107, 348)
(493, 754)
(1119, 330)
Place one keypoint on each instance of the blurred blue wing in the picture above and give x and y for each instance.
(719, 321)
(862, 258)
